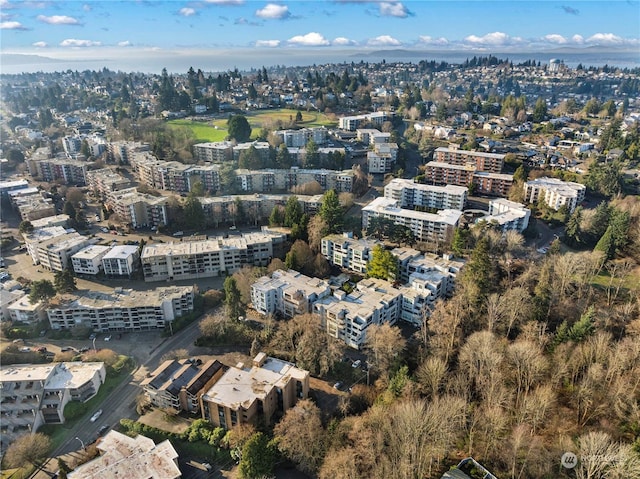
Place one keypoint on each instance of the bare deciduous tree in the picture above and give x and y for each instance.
(385, 342)
(27, 449)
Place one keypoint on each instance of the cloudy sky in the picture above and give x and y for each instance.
(88, 27)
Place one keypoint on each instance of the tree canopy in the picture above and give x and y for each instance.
(238, 128)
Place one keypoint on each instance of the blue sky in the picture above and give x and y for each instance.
(91, 27)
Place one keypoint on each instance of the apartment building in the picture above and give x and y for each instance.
(89, 260)
(211, 257)
(216, 152)
(554, 193)
(371, 136)
(424, 226)
(121, 261)
(24, 311)
(175, 176)
(122, 309)
(347, 252)
(102, 182)
(287, 293)
(7, 297)
(71, 172)
(32, 206)
(382, 158)
(32, 240)
(55, 220)
(179, 384)
(284, 180)
(261, 147)
(245, 395)
(413, 261)
(410, 194)
(122, 151)
(138, 209)
(481, 161)
(72, 145)
(36, 394)
(509, 215)
(131, 457)
(496, 184)
(13, 185)
(352, 123)
(55, 253)
(299, 138)
(347, 316)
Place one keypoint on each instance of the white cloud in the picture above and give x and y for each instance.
(433, 41)
(125, 43)
(342, 41)
(40, 44)
(73, 42)
(6, 5)
(268, 43)
(605, 39)
(58, 20)
(311, 39)
(395, 9)
(187, 12)
(579, 39)
(225, 2)
(273, 12)
(555, 38)
(493, 39)
(5, 16)
(384, 40)
(12, 26)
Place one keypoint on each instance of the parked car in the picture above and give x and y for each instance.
(356, 363)
(103, 429)
(92, 336)
(338, 385)
(104, 230)
(107, 338)
(25, 349)
(96, 415)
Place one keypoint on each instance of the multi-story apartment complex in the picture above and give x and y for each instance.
(36, 394)
(71, 172)
(299, 138)
(175, 176)
(371, 136)
(382, 158)
(89, 260)
(481, 161)
(121, 310)
(287, 293)
(55, 253)
(261, 147)
(138, 209)
(347, 316)
(509, 215)
(211, 257)
(121, 261)
(424, 226)
(122, 151)
(32, 240)
(352, 123)
(244, 395)
(346, 252)
(283, 180)
(24, 311)
(32, 206)
(132, 457)
(410, 194)
(179, 384)
(217, 152)
(554, 192)
(496, 184)
(102, 182)
(55, 220)
(14, 185)
(72, 145)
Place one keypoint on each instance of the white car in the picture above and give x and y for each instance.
(96, 415)
(107, 338)
(356, 363)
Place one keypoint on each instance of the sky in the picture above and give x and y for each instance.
(102, 28)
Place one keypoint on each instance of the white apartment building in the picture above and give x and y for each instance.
(554, 192)
(6, 298)
(203, 259)
(72, 145)
(352, 123)
(509, 215)
(36, 394)
(89, 260)
(346, 252)
(39, 235)
(121, 260)
(24, 311)
(138, 209)
(55, 253)
(410, 194)
(371, 136)
(382, 158)
(283, 180)
(121, 310)
(287, 293)
(347, 316)
(299, 138)
(104, 181)
(47, 221)
(424, 226)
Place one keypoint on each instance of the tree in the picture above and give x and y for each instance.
(292, 212)
(233, 299)
(258, 457)
(25, 227)
(331, 212)
(29, 449)
(69, 210)
(311, 156)
(41, 290)
(64, 282)
(193, 214)
(238, 128)
(540, 110)
(480, 271)
(383, 264)
(460, 240)
(572, 233)
(385, 342)
(607, 244)
(301, 437)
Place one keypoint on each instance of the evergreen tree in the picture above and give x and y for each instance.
(459, 242)
(540, 110)
(607, 244)
(480, 270)
(258, 457)
(25, 227)
(572, 233)
(41, 290)
(383, 264)
(69, 210)
(193, 213)
(276, 218)
(238, 128)
(331, 211)
(64, 282)
(233, 299)
(292, 212)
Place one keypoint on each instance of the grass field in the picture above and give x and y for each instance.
(216, 130)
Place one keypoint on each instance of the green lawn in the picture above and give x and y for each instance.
(216, 130)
